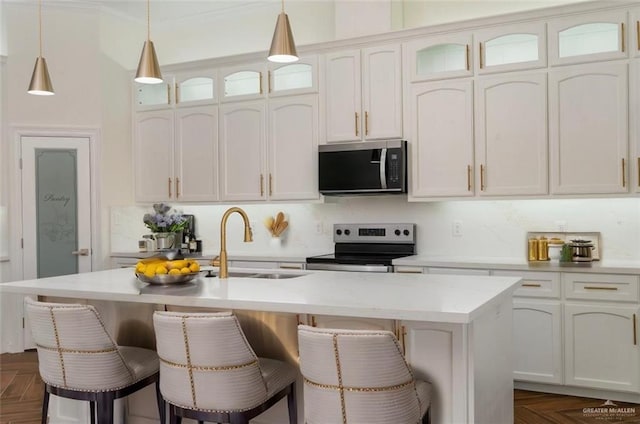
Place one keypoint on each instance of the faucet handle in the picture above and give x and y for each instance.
(215, 261)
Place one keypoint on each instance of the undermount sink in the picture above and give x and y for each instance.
(264, 275)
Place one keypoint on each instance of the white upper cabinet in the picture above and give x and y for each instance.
(590, 37)
(196, 88)
(242, 157)
(634, 29)
(509, 48)
(153, 156)
(292, 146)
(153, 96)
(243, 82)
(293, 78)
(635, 111)
(441, 138)
(439, 57)
(363, 94)
(588, 132)
(511, 134)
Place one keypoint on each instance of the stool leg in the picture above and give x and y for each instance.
(291, 403)
(427, 417)
(105, 408)
(92, 409)
(162, 409)
(45, 405)
(173, 417)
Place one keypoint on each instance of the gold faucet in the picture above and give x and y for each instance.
(221, 261)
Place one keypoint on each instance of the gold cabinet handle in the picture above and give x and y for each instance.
(169, 188)
(467, 59)
(270, 184)
(260, 82)
(531, 285)
(177, 94)
(299, 267)
(638, 34)
(269, 81)
(168, 94)
(357, 126)
(261, 185)
(635, 330)
(468, 177)
(639, 171)
(624, 177)
(403, 332)
(366, 123)
(623, 37)
(600, 288)
(481, 177)
(409, 271)
(481, 61)
(177, 187)
(313, 321)
(298, 319)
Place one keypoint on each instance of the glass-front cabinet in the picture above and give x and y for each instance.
(586, 38)
(513, 47)
(243, 82)
(195, 88)
(153, 96)
(439, 57)
(293, 78)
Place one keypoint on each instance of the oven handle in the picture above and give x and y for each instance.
(383, 169)
(345, 267)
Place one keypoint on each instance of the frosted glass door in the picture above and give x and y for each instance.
(56, 205)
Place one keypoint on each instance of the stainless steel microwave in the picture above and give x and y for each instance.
(372, 167)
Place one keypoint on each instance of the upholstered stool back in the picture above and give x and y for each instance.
(74, 349)
(358, 376)
(205, 352)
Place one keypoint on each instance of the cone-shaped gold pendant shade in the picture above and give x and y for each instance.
(148, 68)
(40, 82)
(283, 49)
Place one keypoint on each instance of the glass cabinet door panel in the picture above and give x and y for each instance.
(195, 89)
(152, 95)
(242, 83)
(512, 48)
(442, 58)
(291, 77)
(591, 38)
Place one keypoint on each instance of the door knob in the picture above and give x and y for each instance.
(81, 252)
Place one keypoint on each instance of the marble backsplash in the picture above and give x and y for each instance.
(490, 230)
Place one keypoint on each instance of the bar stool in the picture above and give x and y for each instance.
(79, 360)
(358, 377)
(208, 371)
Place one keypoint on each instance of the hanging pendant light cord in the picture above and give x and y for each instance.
(149, 22)
(40, 26)
(282, 6)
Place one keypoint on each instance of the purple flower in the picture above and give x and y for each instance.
(160, 221)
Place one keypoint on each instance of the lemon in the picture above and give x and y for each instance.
(177, 264)
(161, 269)
(185, 270)
(140, 268)
(194, 267)
(174, 271)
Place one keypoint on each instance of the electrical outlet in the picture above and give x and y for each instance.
(561, 226)
(456, 228)
(319, 228)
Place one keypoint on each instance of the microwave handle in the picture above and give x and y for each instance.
(383, 169)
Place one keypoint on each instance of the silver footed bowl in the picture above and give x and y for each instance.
(166, 279)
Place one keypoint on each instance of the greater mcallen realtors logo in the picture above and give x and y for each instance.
(608, 411)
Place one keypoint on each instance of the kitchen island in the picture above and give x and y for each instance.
(458, 328)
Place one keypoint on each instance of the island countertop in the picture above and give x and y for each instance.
(418, 297)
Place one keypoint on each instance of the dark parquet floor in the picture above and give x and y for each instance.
(21, 399)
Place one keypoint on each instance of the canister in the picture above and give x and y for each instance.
(543, 249)
(533, 249)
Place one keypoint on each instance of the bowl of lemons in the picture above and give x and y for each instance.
(165, 272)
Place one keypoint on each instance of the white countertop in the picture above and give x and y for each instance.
(418, 297)
(252, 257)
(602, 267)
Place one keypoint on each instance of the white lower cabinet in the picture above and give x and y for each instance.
(351, 323)
(601, 346)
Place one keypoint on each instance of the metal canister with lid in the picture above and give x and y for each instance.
(533, 249)
(543, 249)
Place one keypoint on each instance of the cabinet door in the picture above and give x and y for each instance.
(153, 96)
(441, 116)
(293, 152)
(508, 48)
(382, 92)
(588, 136)
(601, 347)
(194, 88)
(351, 323)
(244, 82)
(438, 57)
(634, 29)
(587, 38)
(242, 142)
(511, 134)
(634, 89)
(294, 78)
(153, 156)
(537, 341)
(196, 153)
(458, 271)
(342, 96)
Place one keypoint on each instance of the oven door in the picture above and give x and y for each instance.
(349, 267)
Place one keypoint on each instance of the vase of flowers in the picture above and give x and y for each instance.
(164, 226)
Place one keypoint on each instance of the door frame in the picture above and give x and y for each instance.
(16, 254)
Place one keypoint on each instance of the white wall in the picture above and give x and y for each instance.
(492, 230)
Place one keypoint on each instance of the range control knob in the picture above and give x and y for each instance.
(339, 232)
(405, 232)
(397, 232)
(347, 232)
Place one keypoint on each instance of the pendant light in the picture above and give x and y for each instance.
(40, 84)
(148, 68)
(283, 49)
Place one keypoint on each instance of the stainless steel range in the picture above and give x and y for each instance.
(366, 247)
